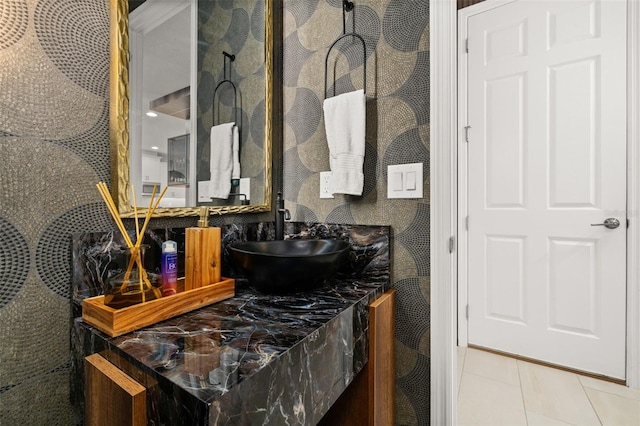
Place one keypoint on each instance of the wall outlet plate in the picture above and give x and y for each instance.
(325, 185)
(203, 191)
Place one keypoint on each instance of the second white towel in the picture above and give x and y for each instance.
(224, 155)
(345, 123)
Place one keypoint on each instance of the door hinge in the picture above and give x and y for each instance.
(627, 223)
(452, 244)
(466, 45)
(466, 133)
(466, 223)
(467, 312)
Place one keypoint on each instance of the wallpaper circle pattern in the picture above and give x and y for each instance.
(52, 263)
(305, 114)
(417, 242)
(257, 22)
(302, 11)
(15, 261)
(95, 153)
(72, 34)
(406, 148)
(238, 30)
(54, 142)
(404, 23)
(55, 68)
(410, 331)
(14, 19)
(415, 386)
(295, 58)
(341, 214)
(415, 91)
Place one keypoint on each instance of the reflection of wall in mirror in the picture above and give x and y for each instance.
(236, 27)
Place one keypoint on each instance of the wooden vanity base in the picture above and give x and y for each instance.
(369, 399)
(112, 397)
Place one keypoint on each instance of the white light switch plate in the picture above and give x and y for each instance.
(405, 181)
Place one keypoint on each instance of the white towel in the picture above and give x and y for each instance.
(221, 163)
(344, 122)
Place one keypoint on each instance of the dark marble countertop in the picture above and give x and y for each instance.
(253, 359)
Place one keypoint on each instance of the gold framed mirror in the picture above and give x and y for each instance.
(120, 137)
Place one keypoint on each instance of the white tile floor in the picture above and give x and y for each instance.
(495, 390)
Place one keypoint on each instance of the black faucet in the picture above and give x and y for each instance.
(282, 214)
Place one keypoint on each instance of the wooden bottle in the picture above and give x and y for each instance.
(202, 254)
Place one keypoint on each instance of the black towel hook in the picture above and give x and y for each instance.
(231, 58)
(347, 6)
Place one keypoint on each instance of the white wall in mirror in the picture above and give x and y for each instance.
(162, 45)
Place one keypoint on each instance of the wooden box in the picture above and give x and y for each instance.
(116, 322)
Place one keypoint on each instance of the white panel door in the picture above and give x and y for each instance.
(546, 160)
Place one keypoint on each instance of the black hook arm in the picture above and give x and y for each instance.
(226, 79)
(347, 6)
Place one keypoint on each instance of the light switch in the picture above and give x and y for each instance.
(397, 181)
(411, 181)
(405, 181)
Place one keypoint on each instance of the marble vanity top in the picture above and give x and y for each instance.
(253, 359)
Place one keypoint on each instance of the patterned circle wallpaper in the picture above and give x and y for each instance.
(54, 144)
(14, 19)
(71, 34)
(14, 262)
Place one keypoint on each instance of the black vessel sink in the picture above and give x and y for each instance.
(288, 266)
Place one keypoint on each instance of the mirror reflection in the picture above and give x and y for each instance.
(199, 106)
(160, 75)
(231, 102)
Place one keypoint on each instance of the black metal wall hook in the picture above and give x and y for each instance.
(226, 80)
(347, 6)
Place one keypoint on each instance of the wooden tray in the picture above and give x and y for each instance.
(116, 322)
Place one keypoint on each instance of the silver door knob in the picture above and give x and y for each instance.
(610, 222)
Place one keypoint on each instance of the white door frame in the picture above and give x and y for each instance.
(443, 198)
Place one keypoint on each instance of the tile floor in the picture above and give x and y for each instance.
(496, 390)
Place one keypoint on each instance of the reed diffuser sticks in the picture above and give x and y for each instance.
(134, 248)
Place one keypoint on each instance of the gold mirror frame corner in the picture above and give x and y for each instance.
(119, 119)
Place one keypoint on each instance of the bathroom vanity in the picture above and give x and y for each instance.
(254, 359)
